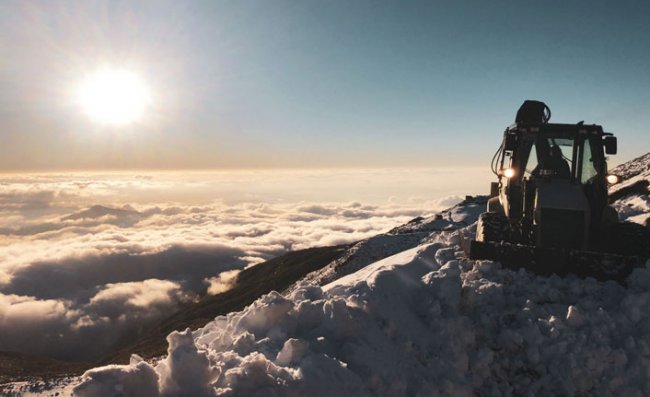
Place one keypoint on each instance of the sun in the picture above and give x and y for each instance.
(113, 96)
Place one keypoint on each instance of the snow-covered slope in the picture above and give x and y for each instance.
(401, 238)
(422, 321)
(635, 167)
(635, 173)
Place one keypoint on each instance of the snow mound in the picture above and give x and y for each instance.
(424, 322)
(634, 207)
(185, 372)
(632, 168)
(399, 239)
(136, 379)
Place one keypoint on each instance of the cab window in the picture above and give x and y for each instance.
(589, 171)
(531, 164)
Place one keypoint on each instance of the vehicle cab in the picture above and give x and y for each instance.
(552, 180)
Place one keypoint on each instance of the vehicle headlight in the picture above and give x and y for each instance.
(508, 172)
(612, 179)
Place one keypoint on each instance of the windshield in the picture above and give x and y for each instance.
(550, 156)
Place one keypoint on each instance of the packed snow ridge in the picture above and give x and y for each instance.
(423, 321)
(634, 207)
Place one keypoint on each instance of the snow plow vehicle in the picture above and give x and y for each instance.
(549, 211)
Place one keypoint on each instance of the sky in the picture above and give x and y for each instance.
(308, 84)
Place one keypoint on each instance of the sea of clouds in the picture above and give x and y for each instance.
(87, 259)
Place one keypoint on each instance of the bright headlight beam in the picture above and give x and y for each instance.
(508, 172)
(612, 179)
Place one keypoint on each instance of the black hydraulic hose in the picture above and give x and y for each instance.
(547, 114)
(495, 160)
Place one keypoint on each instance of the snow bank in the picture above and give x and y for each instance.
(424, 322)
(401, 238)
(136, 379)
(185, 372)
(635, 207)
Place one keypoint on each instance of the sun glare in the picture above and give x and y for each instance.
(115, 96)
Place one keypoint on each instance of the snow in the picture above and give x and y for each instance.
(636, 207)
(407, 314)
(632, 168)
(136, 379)
(399, 239)
(186, 371)
(50, 388)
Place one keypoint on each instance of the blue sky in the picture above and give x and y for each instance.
(238, 84)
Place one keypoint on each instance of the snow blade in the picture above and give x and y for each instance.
(599, 265)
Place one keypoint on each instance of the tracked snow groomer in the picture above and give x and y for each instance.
(548, 212)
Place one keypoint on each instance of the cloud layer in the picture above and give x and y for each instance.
(88, 259)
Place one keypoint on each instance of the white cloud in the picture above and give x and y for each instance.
(74, 328)
(223, 282)
(144, 294)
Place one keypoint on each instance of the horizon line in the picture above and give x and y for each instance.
(234, 169)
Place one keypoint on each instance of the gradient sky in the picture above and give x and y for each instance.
(239, 84)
